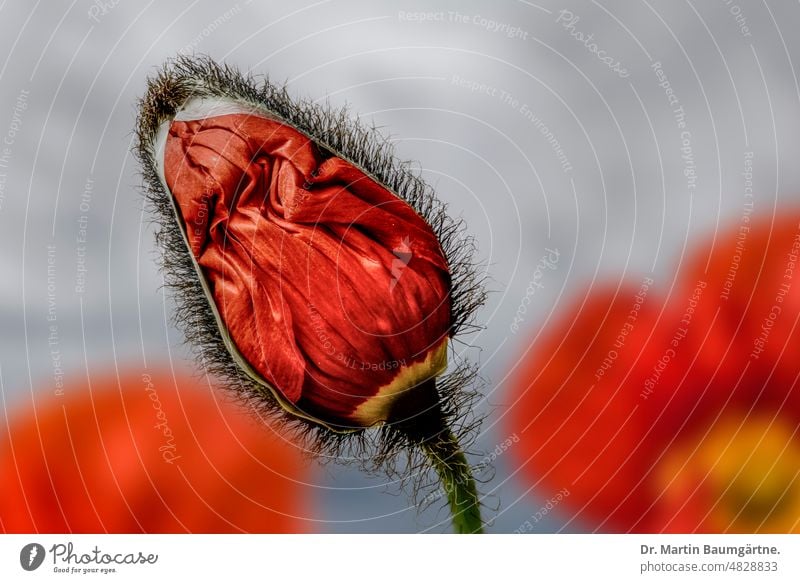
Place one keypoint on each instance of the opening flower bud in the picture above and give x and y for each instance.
(314, 273)
(333, 290)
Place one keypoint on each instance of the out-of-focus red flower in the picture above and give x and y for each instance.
(332, 288)
(146, 453)
(680, 415)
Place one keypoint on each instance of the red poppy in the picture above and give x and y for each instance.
(146, 453)
(680, 415)
(332, 288)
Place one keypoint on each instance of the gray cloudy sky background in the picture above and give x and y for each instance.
(464, 91)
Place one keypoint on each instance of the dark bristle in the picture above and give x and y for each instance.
(340, 133)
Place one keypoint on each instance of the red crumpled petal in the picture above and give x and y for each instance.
(329, 285)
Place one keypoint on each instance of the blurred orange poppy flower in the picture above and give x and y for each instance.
(146, 453)
(677, 415)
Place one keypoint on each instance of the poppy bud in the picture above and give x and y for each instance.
(334, 290)
(316, 274)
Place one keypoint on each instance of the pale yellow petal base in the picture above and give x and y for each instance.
(378, 408)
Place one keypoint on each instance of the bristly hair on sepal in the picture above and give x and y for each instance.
(343, 135)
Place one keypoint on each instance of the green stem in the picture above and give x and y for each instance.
(450, 463)
(418, 416)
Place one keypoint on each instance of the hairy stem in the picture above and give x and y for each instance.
(419, 417)
(450, 463)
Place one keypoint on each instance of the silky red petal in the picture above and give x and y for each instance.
(147, 454)
(751, 310)
(580, 416)
(626, 444)
(329, 285)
